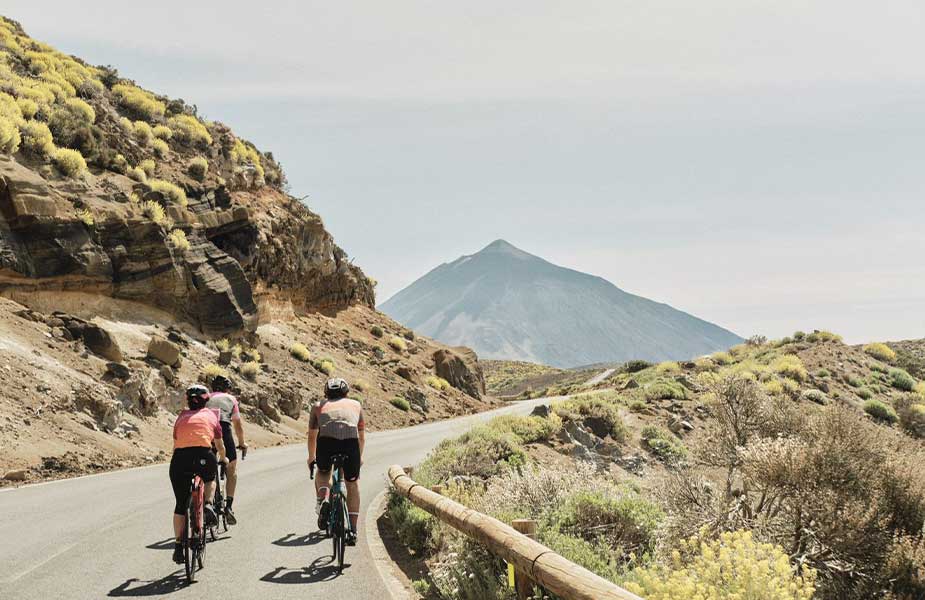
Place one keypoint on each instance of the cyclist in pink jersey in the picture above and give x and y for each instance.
(193, 434)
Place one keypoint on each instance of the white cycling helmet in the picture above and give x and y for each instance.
(336, 388)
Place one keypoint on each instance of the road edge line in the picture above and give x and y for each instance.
(381, 560)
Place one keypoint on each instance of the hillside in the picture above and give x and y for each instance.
(143, 248)
(799, 461)
(508, 304)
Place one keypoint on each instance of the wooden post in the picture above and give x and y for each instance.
(523, 583)
(409, 471)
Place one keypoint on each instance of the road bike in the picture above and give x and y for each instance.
(338, 515)
(194, 532)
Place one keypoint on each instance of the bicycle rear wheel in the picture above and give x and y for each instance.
(189, 553)
(340, 536)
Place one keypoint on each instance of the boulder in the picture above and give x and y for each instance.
(116, 370)
(578, 435)
(268, 407)
(417, 399)
(540, 411)
(101, 343)
(16, 475)
(290, 402)
(405, 372)
(164, 351)
(460, 367)
(598, 426)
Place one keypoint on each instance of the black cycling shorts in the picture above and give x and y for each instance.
(185, 463)
(328, 447)
(228, 437)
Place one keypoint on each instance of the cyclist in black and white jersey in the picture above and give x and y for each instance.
(230, 417)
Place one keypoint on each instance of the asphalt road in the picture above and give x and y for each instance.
(110, 535)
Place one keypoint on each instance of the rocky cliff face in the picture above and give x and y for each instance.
(110, 189)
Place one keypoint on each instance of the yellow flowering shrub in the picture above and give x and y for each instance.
(138, 101)
(161, 148)
(162, 132)
(177, 237)
(154, 211)
(733, 567)
(142, 132)
(36, 138)
(790, 366)
(82, 109)
(190, 130)
(70, 162)
(172, 192)
(148, 166)
(880, 352)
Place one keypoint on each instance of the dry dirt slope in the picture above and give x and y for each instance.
(134, 236)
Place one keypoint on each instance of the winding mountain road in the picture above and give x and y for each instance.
(109, 535)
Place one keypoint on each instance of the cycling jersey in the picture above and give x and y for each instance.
(227, 406)
(197, 428)
(339, 419)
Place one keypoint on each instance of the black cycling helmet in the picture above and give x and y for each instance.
(221, 383)
(336, 388)
(197, 396)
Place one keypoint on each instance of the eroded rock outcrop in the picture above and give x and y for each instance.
(460, 367)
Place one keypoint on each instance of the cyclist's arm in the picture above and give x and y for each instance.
(362, 439)
(312, 444)
(217, 440)
(238, 425)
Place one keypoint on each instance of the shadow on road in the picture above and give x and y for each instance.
(291, 540)
(161, 587)
(319, 571)
(161, 545)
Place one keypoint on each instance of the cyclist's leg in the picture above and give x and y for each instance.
(206, 467)
(231, 451)
(352, 479)
(180, 473)
(326, 449)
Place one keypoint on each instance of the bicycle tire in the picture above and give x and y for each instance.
(200, 556)
(189, 553)
(342, 533)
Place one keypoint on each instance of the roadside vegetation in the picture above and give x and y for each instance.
(728, 475)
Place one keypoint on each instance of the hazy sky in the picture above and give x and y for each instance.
(756, 163)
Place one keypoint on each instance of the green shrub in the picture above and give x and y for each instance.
(377, 331)
(733, 567)
(325, 365)
(162, 132)
(81, 109)
(154, 211)
(634, 366)
(880, 352)
(901, 380)
(397, 344)
(188, 129)
(148, 166)
(138, 101)
(626, 522)
(663, 444)
(438, 383)
(665, 390)
(823, 336)
(528, 429)
(865, 394)
(421, 587)
(880, 411)
(799, 336)
(70, 162)
(36, 138)
(161, 148)
(911, 413)
(774, 387)
(360, 385)
(211, 371)
(178, 239)
(142, 133)
(86, 217)
(250, 369)
(198, 167)
(481, 452)
(601, 406)
(817, 396)
(413, 525)
(171, 192)
(790, 366)
(300, 351)
(138, 174)
(722, 358)
(400, 403)
(823, 373)
(668, 367)
(855, 382)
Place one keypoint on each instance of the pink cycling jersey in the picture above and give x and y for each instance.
(197, 428)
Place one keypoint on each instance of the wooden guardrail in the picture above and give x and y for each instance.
(543, 566)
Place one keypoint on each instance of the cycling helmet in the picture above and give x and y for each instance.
(336, 388)
(221, 383)
(197, 396)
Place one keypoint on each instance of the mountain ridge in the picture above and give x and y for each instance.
(504, 302)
